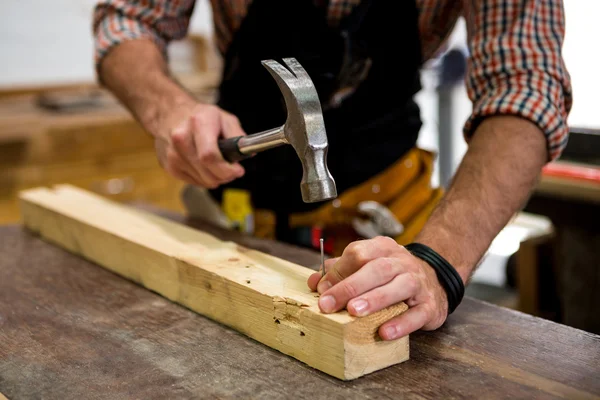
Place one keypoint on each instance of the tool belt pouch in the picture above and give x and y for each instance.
(397, 202)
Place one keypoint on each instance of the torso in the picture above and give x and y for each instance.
(371, 130)
(437, 18)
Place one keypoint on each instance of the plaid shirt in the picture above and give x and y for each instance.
(514, 66)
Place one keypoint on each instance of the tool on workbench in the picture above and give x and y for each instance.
(381, 221)
(304, 129)
(237, 206)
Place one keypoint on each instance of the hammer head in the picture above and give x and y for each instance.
(304, 128)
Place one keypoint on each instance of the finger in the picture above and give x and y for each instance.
(231, 126)
(184, 176)
(314, 279)
(183, 143)
(374, 274)
(406, 323)
(207, 129)
(400, 288)
(354, 257)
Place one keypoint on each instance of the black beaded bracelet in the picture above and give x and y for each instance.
(447, 275)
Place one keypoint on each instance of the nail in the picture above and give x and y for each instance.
(324, 286)
(360, 306)
(390, 332)
(327, 303)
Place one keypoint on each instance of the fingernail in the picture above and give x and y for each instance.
(390, 332)
(323, 286)
(360, 306)
(327, 303)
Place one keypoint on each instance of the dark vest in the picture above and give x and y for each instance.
(370, 130)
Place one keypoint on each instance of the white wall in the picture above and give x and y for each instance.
(49, 42)
(581, 56)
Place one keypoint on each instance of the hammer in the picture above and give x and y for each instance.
(304, 129)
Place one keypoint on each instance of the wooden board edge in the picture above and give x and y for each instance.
(358, 354)
(365, 351)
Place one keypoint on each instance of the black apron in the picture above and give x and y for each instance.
(369, 131)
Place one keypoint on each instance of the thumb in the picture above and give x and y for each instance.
(231, 126)
(315, 278)
(337, 271)
(354, 257)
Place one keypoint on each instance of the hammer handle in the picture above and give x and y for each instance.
(242, 147)
(230, 149)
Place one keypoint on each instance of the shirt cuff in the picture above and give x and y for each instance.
(523, 96)
(113, 29)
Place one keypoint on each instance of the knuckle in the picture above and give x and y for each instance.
(236, 120)
(197, 117)
(403, 250)
(349, 290)
(207, 156)
(386, 268)
(202, 114)
(412, 284)
(232, 117)
(385, 241)
(178, 134)
(337, 275)
(426, 309)
(358, 253)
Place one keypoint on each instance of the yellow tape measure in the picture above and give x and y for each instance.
(237, 206)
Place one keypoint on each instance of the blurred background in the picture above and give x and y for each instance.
(58, 126)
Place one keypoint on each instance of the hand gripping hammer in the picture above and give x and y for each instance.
(304, 129)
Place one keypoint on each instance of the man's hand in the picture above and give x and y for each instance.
(185, 132)
(189, 150)
(373, 274)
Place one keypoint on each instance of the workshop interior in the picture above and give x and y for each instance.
(61, 128)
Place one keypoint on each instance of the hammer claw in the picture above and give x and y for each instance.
(304, 130)
(279, 72)
(296, 68)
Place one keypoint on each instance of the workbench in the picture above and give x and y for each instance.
(84, 137)
(72, 330)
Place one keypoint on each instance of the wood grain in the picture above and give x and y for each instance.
(72, 330)
(262, 296)
(104, 144)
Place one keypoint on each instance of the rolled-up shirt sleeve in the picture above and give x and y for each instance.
(161, 21)
(515, 65)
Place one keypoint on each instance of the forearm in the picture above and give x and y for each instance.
(137, 74)
(494, 180)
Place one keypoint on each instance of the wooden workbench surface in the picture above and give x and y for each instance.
(72, 330)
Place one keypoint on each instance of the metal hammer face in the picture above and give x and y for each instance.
(304, 129)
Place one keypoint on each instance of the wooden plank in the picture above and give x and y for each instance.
(72, 331)
(259, 295)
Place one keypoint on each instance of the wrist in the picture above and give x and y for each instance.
(445, 243)
(136, 73)
(170, 109)
(447, 275)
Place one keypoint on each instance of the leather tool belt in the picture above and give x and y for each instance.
(395, 203)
